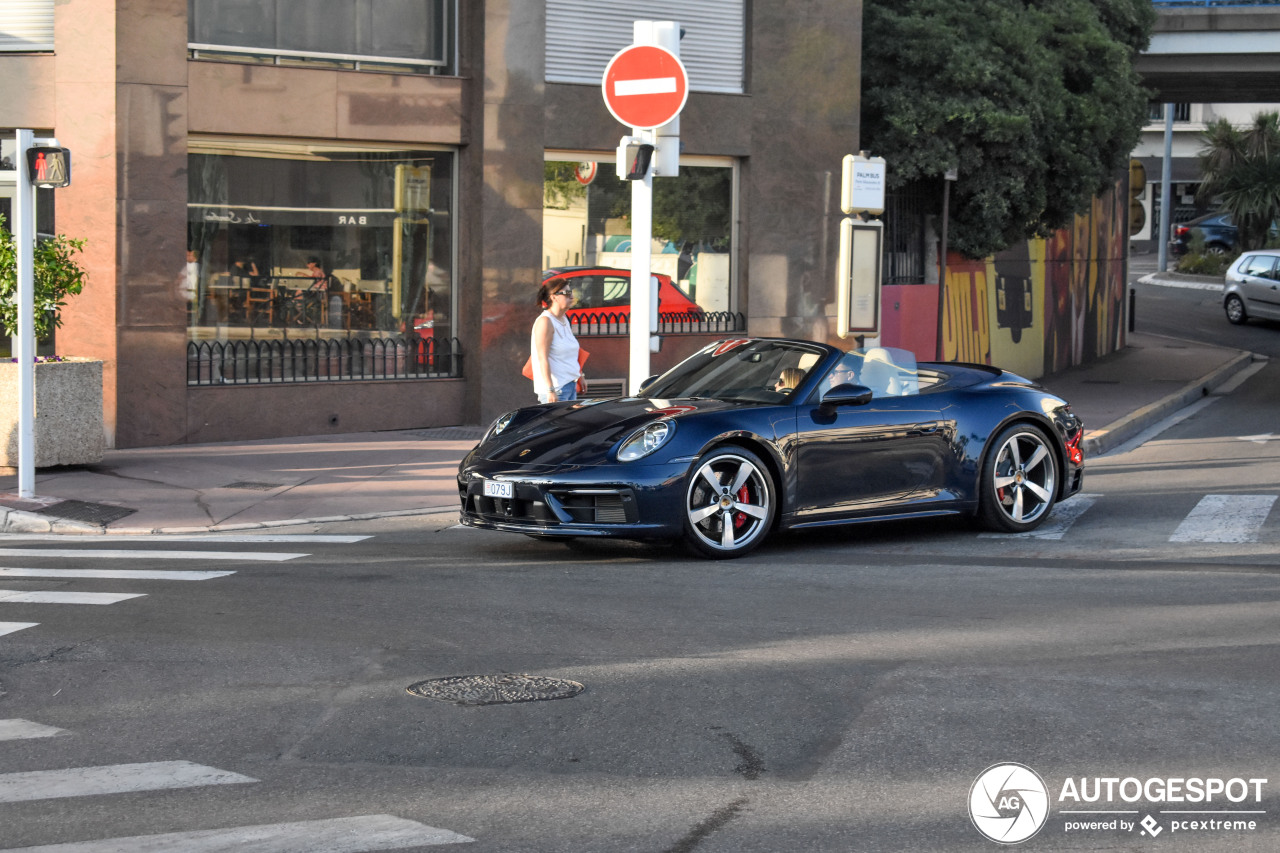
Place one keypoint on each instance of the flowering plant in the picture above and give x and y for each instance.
(57, 275)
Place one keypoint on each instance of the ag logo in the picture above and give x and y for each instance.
(1008, 803)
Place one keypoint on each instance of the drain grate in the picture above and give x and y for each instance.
(257, 487)
(495, 689)
(85, 511)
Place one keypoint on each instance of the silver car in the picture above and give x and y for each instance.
(1253, 287)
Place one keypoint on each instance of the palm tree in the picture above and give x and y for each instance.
(1241, 167)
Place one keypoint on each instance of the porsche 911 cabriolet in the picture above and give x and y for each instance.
(749, 436)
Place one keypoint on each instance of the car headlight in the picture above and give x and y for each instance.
(496, 428)
(646, 440)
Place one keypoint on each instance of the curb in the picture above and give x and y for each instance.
(1190, 282)
(19, 521)
(1100, 441)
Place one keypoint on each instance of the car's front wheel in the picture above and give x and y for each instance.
(729, 503)
(1234, 306)
(1019, 480)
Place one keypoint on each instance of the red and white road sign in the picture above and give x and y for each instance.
(645, 86)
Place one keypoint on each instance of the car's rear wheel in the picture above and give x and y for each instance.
(729, 503)
(1234, 306)
(1019, 480)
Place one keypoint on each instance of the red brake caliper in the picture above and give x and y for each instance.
(740, 518)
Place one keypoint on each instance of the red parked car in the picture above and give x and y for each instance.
(605, 293)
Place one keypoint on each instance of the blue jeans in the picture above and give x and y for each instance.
(567, 391)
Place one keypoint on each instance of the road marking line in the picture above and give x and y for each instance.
(17, 729)
(336, 835)
(58, 597)
(1060, 519)
(109, 574)
(644, 86)
(10, 627)
(246, 556)
(122, 538)
(111, 779)
(1225, 518)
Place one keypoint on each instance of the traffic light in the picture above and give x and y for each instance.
(49, 167)
(1137, 187)
(634, 157)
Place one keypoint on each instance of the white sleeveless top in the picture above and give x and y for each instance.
(562, 355)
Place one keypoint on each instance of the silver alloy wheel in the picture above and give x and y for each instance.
(1024, 477)
(1235, 309)
(729, 503)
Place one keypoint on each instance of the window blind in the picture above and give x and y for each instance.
(583, 35)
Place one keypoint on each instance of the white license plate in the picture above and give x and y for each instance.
(494, 489)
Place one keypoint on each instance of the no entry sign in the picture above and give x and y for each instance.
(645, 86)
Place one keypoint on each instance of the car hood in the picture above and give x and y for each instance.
(585, 431)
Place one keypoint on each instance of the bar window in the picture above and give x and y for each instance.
(320, 243)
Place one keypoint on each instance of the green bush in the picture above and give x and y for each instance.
(57, 276)
(1205, 264)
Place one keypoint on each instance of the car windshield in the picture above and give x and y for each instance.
(742, 370)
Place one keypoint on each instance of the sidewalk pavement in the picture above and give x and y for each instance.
(258, 485)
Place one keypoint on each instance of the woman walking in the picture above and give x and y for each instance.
(553, 348)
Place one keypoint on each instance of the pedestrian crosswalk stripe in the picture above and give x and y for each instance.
(123, 538)
(10, 596)
(1225, 518)
(335, 835)
(247, 556)
(10, 627)
(109, 574)
(1060, 519)
(23, 729)
(111, 779)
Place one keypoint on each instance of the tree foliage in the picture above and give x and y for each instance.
(1035, 103)
(1241, 167)
(57, 275)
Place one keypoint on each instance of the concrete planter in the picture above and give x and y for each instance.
(68, 427)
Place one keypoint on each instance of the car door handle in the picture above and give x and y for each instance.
(923, 429)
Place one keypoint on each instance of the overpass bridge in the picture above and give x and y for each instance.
(1214, 51)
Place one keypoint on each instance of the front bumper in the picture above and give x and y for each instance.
(640, 501)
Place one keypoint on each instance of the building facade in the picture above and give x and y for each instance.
(333, 217)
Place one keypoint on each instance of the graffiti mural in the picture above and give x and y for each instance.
(1043, 305)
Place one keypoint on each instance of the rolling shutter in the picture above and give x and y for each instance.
(583, 35)
(26, 25)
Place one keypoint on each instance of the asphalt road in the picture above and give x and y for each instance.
(834, 691)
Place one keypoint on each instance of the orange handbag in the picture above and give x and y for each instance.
(527, 370)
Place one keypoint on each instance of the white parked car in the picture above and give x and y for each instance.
(1253, 287)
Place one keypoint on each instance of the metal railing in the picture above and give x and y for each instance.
(674, 323)
(355, 358)
(1215, 2)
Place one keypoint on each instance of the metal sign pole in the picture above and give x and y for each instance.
(641, 258)
(24, 238)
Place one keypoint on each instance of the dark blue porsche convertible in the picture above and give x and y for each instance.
(752, 435)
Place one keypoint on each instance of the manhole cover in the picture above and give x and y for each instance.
(495, 689)
(85, 511)
(257, 487)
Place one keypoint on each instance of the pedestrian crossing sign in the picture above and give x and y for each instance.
(49, 168)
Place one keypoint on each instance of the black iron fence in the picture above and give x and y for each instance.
(355, 358)
(674, 323)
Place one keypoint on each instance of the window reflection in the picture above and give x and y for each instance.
(586, 222)
(319, 243)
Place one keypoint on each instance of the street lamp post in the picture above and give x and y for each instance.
(947, 179)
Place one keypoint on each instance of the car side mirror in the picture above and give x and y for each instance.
(846, 395)
(645, 384)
